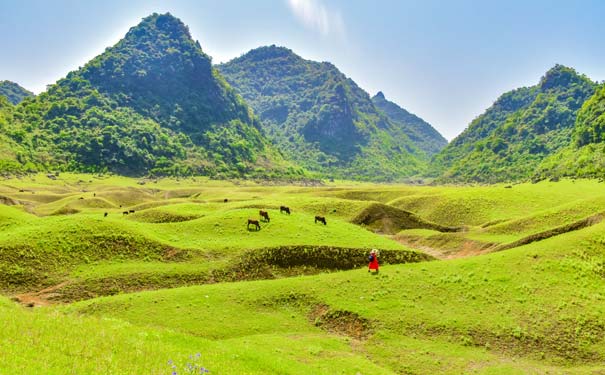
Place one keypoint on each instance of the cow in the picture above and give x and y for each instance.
(105, 214)
(321, 219)
(284, 209)
(264, 215)
(253, 222)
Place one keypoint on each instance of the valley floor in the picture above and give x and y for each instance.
(112, 275)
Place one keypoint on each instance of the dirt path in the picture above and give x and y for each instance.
(40, 298)
(468, 249)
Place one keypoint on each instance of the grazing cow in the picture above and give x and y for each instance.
(94, 194)
(225, 200)
(131, 211)
(284, 209)
(253, 222)
(321, 219)
(105, 214)
(264, 215)
(125, 213)
(81, 197)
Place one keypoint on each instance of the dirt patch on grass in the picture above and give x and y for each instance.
(40, 298)
(160, 217)
(8, 201)
(390, 220)
(65, 211)
(446, 245)
(340, 322)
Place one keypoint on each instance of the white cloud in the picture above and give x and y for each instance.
(314, 15)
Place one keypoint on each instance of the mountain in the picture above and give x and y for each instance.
(585, 157)
(424, 136)
(14, 92)
(320, 118)
(152, 103)
(518, 131)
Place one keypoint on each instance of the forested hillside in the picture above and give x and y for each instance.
(320, 118)
(424, 136)
(523, 127)
(150, 104)
(585, 156)
(14, 92)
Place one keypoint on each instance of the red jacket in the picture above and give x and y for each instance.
(373, 262)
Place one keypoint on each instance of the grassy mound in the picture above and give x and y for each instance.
(390, 220)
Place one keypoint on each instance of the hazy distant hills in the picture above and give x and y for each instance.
(14, 92)
(320, 118)
(150, 104)
(523, 127)
(424, 136)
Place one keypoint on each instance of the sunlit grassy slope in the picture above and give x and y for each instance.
(515, 309)
(542, 304)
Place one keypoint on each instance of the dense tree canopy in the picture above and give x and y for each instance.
(424, 136)
(320, 118)
(150, 104)
(523, 127)
(13, 92)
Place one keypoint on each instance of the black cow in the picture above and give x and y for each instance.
(264, 215)
(253, 222)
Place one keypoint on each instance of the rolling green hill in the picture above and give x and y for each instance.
(13, 92)
(424, 136)
(180, 274)
(320, 118)
(523, 127)
(150, 104)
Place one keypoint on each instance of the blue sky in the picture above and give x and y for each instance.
(446, 61)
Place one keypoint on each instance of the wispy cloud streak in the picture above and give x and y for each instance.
(317, 17)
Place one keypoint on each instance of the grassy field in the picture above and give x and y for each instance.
(517, 287)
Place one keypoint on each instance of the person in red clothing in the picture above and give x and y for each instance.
(373, 261)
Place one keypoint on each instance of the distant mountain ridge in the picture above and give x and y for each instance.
(14, 92)
(320, 118)
(420, 132)
(523, 127)
(150, 104)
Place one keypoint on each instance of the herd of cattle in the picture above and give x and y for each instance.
(282, 209)
(254, 222)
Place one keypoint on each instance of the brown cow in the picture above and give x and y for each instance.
(321, 219)
(265, 215)
(253, 222)
(284, 209)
